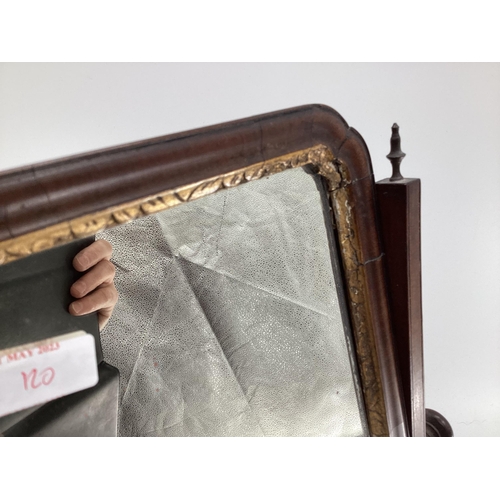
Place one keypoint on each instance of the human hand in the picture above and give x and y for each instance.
(95, 290)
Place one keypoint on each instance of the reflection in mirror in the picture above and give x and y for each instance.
(231, 319)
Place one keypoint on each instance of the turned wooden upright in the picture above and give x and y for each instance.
(399, 207)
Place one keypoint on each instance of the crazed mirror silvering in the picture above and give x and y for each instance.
(230, 321)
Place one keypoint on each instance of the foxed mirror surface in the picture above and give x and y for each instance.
(231, 319)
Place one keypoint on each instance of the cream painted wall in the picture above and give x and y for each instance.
(449, 116)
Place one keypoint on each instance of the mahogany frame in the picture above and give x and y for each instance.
(54, 202)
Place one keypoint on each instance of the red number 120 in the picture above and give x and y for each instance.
(35, 380)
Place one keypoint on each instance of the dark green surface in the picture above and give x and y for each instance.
(34, 301)
(34, 298)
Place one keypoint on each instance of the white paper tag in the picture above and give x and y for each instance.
(35, 373)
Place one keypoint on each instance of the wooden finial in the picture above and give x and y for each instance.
(396, 155)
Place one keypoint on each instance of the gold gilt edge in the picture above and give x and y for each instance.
(337, 176)
(342, 203)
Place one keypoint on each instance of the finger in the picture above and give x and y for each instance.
(102, 273)
(91, 255)
(105, 298)
(104, 316)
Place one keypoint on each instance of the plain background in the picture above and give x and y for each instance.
(449, 114)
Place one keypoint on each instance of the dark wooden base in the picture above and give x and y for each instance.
(437, 425)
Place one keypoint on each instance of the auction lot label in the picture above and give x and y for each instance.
(36, 373)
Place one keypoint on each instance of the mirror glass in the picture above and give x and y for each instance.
(231, 319)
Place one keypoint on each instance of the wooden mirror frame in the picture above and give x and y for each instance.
(55, 202)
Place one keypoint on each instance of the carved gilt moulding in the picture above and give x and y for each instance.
(349, 182)
(88, 225)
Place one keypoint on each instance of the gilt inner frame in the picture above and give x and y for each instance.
(342, 200)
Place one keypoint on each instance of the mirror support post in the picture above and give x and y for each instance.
(399, 209)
